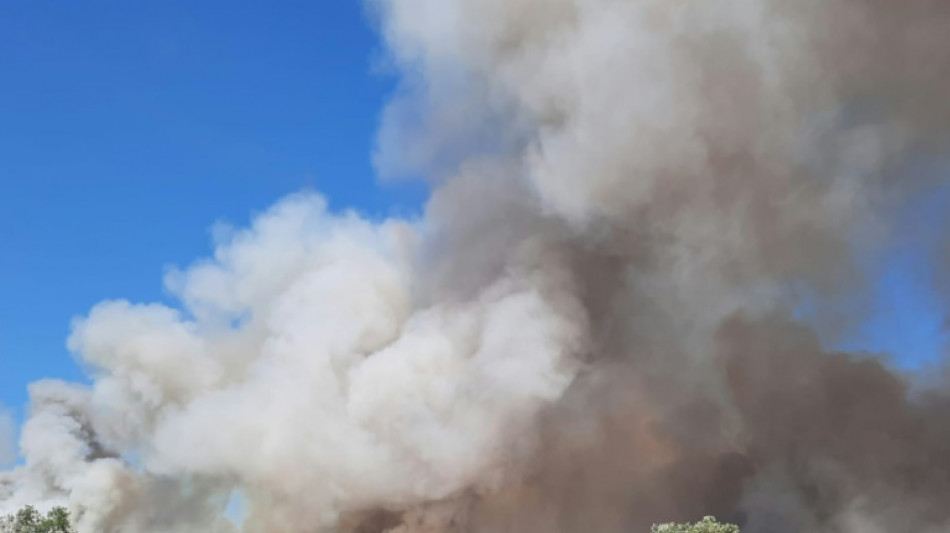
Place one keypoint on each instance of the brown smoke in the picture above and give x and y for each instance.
(770, 160)
(805, 441)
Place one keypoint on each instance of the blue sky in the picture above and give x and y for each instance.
(128, 128)
(909, 320)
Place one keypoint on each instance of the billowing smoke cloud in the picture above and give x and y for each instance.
(7, 438)
(646, 218)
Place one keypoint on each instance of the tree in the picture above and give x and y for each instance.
(706, 525)
(29, 520)
(56, 521)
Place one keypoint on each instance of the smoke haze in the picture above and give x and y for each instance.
(7, 438)
(647, 219)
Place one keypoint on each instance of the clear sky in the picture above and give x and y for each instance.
(128, 128)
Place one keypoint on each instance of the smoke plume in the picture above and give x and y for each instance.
(649, 221)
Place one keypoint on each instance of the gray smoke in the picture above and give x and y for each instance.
(7, 438)
(646, 218)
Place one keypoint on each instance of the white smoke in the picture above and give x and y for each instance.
(628, 197)
(303, 370)
(8, 451)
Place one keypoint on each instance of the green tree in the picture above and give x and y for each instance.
(56, 521)
(29, 520)
(706, 525)
(6, 524)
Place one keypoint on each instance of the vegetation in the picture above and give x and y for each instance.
(29, 520)
(706, 525)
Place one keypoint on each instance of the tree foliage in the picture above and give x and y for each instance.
(29, 520)
(706, 525)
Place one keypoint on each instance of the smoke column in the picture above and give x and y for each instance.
(648, 217)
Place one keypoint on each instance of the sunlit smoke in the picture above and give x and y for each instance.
(647, 218)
